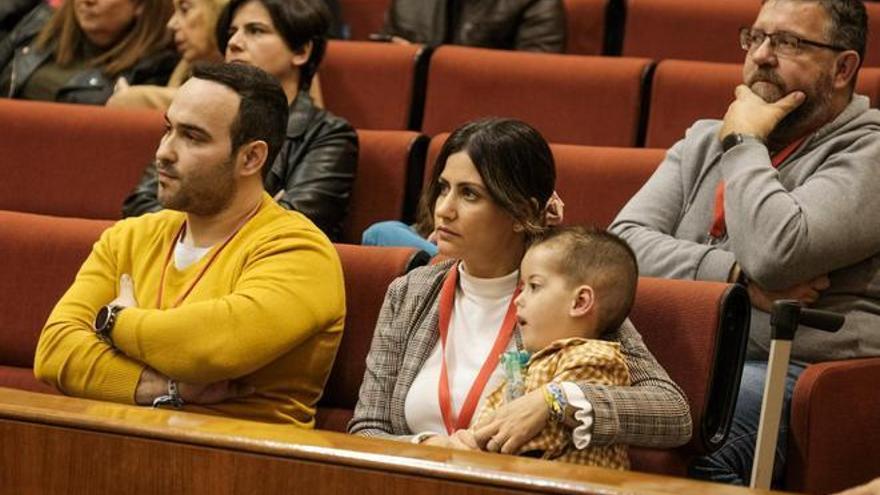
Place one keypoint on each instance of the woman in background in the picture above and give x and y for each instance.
(78, 53)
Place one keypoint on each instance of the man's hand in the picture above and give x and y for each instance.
(214, 393)
(750, 114)
(126, 293)
(153, 384)
(805, 292)
(513, 424)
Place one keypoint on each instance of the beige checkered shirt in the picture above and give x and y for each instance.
(579, 360)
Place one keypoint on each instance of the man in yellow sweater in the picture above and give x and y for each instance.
(229, 305)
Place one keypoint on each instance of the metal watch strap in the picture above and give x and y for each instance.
(172, 398)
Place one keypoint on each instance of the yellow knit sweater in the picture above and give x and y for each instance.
(268, 312)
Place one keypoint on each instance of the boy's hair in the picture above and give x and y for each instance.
(601, 260)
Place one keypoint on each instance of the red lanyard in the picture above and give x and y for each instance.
(719, 225)
(447, 301)
(192, 285)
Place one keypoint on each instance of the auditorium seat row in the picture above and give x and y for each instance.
(86, 170)
(593, 101)
(696, 329)
(656, 29)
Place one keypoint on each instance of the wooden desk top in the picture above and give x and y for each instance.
(26, 409)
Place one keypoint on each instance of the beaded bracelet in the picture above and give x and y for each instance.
(556, 401)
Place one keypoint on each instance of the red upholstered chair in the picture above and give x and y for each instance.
(593, 182)
(388, 178)
(685, 91)
(688, 30)
(585, 26)
(375, 85)
(368, 271)
(73, 160)
(364, 17)
(41, 255)
(834, 439)
(570, 99)
(698, 332)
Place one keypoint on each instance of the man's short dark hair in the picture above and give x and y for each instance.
(600, 259)
(849, 23)
(297, 21)
(262, 112)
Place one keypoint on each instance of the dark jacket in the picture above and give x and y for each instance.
(19, 59)
(530, 25)
(315, 168)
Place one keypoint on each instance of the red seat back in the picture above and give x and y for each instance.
(363, 17)
(73, 160)
(373, 85)
(570, 99)
(698, 332)
(585, 26)
(685, 91)
(368, 271)
(387, 162)
(685, 29)
(41, 256)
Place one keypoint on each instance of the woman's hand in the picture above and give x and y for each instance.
(460, 440)
(513, 424)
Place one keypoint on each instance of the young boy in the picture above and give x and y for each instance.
(577, 283)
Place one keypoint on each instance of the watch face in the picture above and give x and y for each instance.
(102, 318)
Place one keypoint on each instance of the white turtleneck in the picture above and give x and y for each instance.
(477, 315)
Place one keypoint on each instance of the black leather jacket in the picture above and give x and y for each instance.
(19, 60)
(315, 168)
(530, 25)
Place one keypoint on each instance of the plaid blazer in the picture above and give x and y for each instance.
(652, 412)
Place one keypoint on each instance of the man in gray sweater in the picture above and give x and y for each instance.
(783, 194)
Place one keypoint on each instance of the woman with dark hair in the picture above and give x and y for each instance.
(434, 353)
(315, 170)
(78, 53)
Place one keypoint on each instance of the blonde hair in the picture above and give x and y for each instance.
(148, 35)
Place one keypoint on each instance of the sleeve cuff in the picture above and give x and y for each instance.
(583, 433)
(716, 265)
(421, 437)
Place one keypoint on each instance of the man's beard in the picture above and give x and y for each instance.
(203, 195)
(809, 115)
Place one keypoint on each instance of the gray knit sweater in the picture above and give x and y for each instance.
(819, 213)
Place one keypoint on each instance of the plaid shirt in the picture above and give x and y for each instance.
(574, 360)
(653, 412)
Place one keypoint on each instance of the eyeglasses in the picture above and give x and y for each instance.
(782, 43)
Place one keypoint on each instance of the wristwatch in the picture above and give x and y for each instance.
(172, 398)
(104, 321)
(735, 138)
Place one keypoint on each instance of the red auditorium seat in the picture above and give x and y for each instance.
(834, 441)
(685, 91)
(368, 271)
(364, 17)
(585, 26)
(593, 182)
(388, 178)
(698, 332)
(698, 30)
(686, 29)
(73, 160)
(41, 255)
(570, 99)
(375, 85)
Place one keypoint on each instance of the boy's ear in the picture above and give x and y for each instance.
(584, 301)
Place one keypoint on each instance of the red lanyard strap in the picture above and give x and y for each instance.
(719, 225)
(447, 301)
(161, 295)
